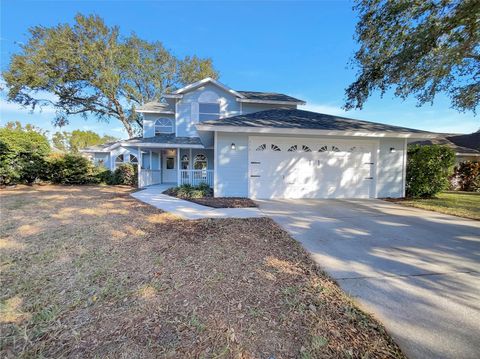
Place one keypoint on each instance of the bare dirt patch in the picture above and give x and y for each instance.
(91, 272)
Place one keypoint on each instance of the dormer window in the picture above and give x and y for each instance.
(163, 125)
(208, 111)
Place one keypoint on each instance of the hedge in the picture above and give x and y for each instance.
(22, 155)
(428, 170)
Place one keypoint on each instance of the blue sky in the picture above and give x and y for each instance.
(298, 48)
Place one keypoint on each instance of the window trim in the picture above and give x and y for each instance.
(126, 158)
(200, 113)
(156, 124)
(195, 160)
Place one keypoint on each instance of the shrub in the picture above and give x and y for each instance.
(22, 155)
(103, 175)
(70, 169)
(467, 176)
(428, 170)
(188, 191)
(126, 174)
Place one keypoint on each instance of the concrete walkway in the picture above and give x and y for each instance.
(189, 210)
(417, 271)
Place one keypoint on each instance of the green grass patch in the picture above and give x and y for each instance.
(462, 204)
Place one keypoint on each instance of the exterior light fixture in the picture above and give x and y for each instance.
(392, 149)
(233, 147)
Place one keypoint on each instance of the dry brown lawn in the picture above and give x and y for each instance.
(91, 272)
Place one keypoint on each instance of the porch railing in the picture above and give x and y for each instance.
(148, 177)
(195, 177)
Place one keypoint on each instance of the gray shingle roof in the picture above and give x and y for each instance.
(269, 96)
(300, 119)
(99, 148)
(164, 138)
(447, 140)
(471, 140)
(168, 139)
(155, 106)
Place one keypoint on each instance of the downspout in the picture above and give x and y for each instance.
(139, 168)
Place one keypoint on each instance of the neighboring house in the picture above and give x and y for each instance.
(259, 145)
(466, 147)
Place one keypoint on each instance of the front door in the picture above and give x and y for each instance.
(169, 166)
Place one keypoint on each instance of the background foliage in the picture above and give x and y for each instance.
(418, 48)
(467, 176)
(428, 170)
(78, 139)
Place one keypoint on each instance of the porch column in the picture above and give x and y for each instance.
(139, 167)
(150, 160)
(178, 166)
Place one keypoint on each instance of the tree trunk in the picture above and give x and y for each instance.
(126, 124)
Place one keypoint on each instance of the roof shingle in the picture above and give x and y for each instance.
(269, 96)
(300, 119)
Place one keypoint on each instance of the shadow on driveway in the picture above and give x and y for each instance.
(417, 271)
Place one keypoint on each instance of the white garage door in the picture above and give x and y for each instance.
(310, 168)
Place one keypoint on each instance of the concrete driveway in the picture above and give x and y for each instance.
(417, 271)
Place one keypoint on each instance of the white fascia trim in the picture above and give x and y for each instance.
(300, 131)
(204, 81)
(154, 111)
(272, 102)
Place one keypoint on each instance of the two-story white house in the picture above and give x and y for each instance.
(259, 145)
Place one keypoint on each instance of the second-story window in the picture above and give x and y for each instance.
(163, 125)
(208, 111)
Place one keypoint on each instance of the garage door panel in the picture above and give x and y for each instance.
(296, 168)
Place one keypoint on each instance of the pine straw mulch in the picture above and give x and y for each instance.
(91, 272)
(216, 202)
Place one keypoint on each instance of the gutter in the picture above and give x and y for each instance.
(301, 131)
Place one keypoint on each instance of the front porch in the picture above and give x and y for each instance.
(175, 166)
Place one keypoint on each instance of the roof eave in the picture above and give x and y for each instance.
(303, 131)
(204, 81)
(155, 111)
(162, 145)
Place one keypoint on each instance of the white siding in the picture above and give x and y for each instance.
(390, 172)
(231, 165)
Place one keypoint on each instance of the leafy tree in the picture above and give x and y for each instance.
(418, 48)
(78, 139)
(428, 170)
(88, 69)
(22, 153)
(61, 141)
